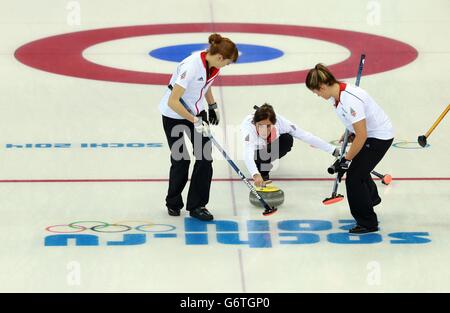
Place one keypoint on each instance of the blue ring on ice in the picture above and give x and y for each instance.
(247, 53)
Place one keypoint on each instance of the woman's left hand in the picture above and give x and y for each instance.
(213, 114)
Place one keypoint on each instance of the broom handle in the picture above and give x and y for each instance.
(437, 121)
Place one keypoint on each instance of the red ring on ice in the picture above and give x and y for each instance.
(63, 54)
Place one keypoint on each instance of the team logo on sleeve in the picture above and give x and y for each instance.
(183, 75)
(352, 112)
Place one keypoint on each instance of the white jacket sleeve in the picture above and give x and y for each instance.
(249, 146)
(307, 137)
(249, 158)
(186, 73)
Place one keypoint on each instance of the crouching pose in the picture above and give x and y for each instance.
(268, 137)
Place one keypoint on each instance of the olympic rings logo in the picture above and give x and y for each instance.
(104, 227)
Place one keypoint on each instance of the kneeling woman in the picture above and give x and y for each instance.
(373, 135)
(268, 137)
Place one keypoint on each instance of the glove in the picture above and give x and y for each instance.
(336, 153)
(213, 114)
(341, 166)
(202, 127)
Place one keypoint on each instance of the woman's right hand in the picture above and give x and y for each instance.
(258, 180)
(202, 127)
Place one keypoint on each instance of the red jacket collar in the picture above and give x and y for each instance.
(342, 87)
(212, 71)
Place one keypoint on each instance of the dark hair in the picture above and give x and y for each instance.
(319, 75)
(265, 112)
(223, 46)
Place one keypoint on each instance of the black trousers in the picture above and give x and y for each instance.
(361, 189)
(273, 151)
(198, 195)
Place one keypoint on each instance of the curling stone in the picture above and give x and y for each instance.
(273, 195)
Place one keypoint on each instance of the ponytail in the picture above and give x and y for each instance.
(223, 46)
(318, 76)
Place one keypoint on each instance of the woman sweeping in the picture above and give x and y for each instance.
(192, 81)
(372, 134)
